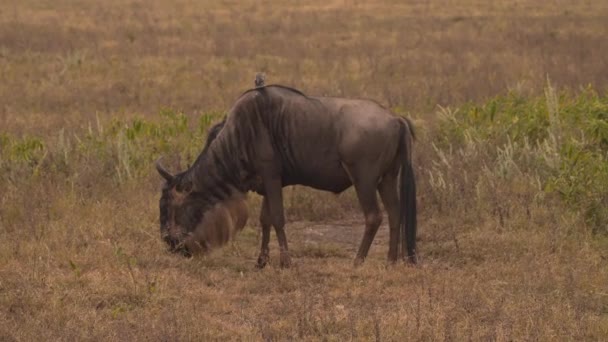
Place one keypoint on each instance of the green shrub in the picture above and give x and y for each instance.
(560, 138)
(123, 150)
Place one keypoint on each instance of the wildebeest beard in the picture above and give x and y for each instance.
(192, 223)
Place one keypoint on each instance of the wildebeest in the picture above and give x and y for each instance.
(275, 136)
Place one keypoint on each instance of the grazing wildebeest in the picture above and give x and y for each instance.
(275, 136)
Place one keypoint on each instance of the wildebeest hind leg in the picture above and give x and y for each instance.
(366, 192)
(265, 222)
(390, 198)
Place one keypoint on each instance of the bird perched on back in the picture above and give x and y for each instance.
(260, 79)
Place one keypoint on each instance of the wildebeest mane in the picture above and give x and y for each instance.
(212, 134)
(222, 156)
(225, 156)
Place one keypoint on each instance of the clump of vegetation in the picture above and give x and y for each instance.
(557, 143)
(122, 149)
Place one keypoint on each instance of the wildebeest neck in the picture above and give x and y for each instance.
(215, 179)
(220, 170)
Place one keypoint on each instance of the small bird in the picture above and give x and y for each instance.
(260, 79)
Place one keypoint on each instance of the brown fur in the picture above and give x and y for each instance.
(220, 224)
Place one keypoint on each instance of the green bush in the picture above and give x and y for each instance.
(560, 138)
(123, 150)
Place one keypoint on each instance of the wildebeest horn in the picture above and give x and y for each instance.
(163, 172)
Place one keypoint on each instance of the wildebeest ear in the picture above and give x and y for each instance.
(185, 186)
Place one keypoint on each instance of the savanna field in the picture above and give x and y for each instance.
(510, 104)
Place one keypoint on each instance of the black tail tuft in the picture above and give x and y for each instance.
(407, 195)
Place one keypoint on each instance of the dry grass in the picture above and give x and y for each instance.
(64, 61)
(80, 253)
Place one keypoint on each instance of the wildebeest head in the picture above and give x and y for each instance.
(189, 224)
(177, 211)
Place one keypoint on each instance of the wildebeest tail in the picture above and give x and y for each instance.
(407, 195)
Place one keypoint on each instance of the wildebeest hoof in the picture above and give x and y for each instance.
(412, 260)
(358, 261)
(185, 252)
(262, 261)
(285, 260)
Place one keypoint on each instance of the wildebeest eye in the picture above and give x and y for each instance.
(184, 187)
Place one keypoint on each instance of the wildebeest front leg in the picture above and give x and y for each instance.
(265, 222)
(274, 196)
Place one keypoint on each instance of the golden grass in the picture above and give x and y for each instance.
(104, 274)
(64, 61)
(80, 253)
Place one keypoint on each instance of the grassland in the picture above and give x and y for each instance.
(510, 103)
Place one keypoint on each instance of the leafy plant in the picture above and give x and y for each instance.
(559, 138)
